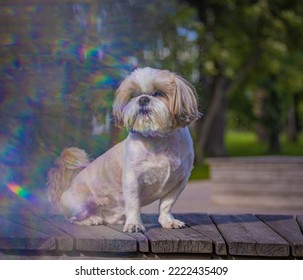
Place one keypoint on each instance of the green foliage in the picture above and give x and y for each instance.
(241, 114)
(175, 45)
(200, 172)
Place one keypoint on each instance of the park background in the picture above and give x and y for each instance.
(61, 61)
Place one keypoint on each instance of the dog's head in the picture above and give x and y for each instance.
(154, 102)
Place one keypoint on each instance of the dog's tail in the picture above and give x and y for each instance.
(67, 166)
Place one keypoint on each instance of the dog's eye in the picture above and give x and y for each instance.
(134, 94)
(158, 94)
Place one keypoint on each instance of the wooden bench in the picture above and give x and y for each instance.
(274, 182)
(28, 236)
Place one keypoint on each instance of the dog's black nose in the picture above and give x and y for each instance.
(144, 100)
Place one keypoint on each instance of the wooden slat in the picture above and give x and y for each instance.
(95, 238)
(204, 225)
(64, 242)
(142, 240)
(247, 235)
(288, 228)
(300, 221)
(14, 236)
(185, 240)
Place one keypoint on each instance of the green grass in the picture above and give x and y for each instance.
(246, 144)
(239, 143)
(292, 149)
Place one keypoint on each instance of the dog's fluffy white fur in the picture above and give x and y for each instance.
(153, 163)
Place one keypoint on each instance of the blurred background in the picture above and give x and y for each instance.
(61, 61)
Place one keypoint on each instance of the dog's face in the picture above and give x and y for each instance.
(153, 102)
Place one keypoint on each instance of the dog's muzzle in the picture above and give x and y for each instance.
(143, 102)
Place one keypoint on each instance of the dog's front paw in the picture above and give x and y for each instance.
(90, 221)
(134, 228)
(171, 223)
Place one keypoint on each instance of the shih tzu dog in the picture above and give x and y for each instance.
(153, 163)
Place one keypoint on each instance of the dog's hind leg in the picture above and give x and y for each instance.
(79, 205)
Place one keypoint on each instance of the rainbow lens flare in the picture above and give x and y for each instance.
(21, 192)
(60, 65)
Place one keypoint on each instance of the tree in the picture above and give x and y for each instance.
(237, 40)
(277, 79)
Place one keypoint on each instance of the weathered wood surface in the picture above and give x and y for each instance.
(204, 225)
(142, 240)
(185, 240)
(287, 227)
(300, 221)
(16, 236)
(214, 235)
(64, 242)
(247, 235)
(95, 238)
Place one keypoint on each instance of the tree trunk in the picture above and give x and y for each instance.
(215, 145)
(274, 141)
(292, 126)
(274, 121)
(269, 115)
(260, 113)
(211, 120)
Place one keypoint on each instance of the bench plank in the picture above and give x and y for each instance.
(95, 238)
(247, 235)
(142, 240)
(14, 236)
(287, 227)
(300, 221)
(203, 224)
(64, 242)
(185, 240)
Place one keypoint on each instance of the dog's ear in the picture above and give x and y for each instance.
(121, 98)
(117, 110)
(185, 105)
